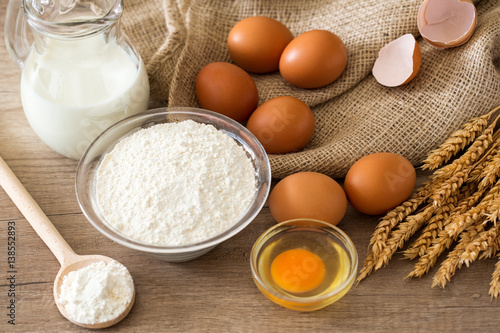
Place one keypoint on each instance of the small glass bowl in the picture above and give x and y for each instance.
(327, 242)
(89, 163)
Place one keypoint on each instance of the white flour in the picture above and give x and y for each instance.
(175, 184)
(96, 293)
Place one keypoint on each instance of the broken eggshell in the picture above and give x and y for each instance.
(446, 23)
(398, 62)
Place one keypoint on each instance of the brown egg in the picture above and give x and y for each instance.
(313, 59)
(256, 43)
(379, 182)
(308, 195)
(282, 125)
(227, 89)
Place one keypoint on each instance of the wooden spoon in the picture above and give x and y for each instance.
(68, 259)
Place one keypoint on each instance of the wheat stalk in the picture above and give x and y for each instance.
(491, 250)
(428, 260)
(444, 240)
(461, 199)
(491, 170)
(478, 173)
(495, 281)
(457, 141)
(396, 215)
(487, 205)
(420, 245)
(466, 200)
(434, 225)
(404, 231)
(452, 185)
(479, 244)
(471, 155)
(451, 231)
(494, 245)
(453, 261)
(368, 266)
(387, 223)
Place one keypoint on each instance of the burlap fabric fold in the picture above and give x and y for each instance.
(355, 115)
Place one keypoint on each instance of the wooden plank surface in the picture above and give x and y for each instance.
(215, 292)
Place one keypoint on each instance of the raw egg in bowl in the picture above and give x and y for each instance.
(304, 264)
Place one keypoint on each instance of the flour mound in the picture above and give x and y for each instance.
(175, 184)
(96, 293)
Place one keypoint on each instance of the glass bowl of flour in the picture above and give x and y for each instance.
(173, 182)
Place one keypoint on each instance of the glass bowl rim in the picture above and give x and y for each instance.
(305, 301)
(140, 119)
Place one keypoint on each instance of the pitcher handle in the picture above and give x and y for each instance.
(16, 38)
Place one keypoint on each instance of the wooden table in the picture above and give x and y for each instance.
(212, 293)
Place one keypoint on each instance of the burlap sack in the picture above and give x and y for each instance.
(355, 115)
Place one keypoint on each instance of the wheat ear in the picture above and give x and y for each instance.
(473, 216)
(396, 215)
(453, 261)
(487, 205)
(452, 185)
(466, 200)
(403, 232)
(471, 155)
(368, 266)
(495, 281)
(430, 231)
(492, 249)
(456, 142)
(385, 226)
(479, 244)
(490, 171)
(442, 242)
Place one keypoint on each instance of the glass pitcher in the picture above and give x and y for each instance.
(80, 74)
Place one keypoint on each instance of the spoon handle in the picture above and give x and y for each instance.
(34, 215)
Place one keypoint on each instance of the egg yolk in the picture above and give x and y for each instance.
(298, 270)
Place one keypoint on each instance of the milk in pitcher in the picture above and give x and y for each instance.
(77, 88)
